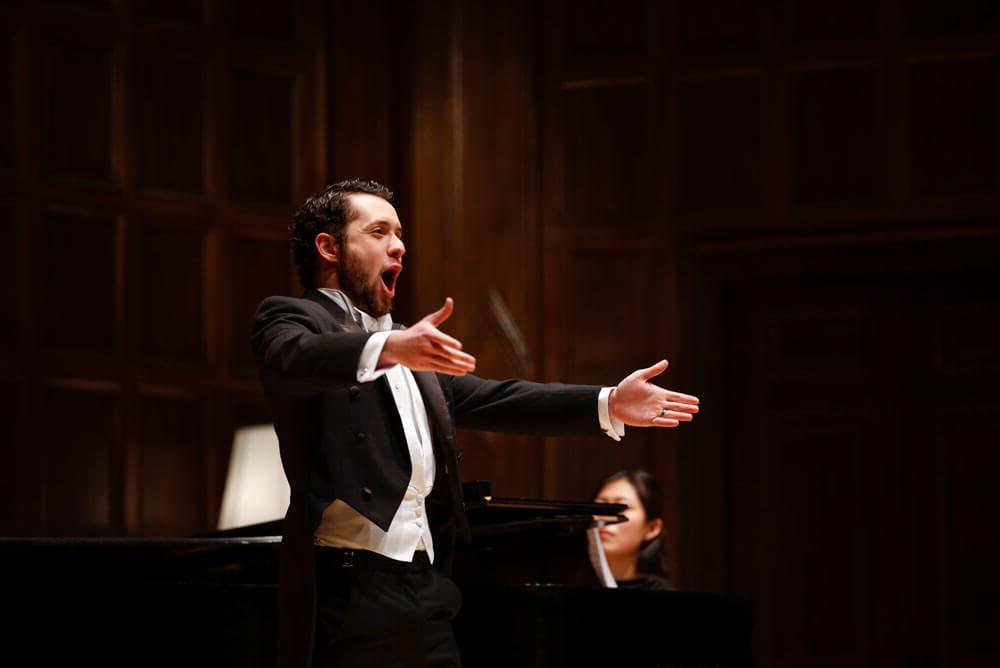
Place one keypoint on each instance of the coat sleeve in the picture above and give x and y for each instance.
(521, 406)
(295, 356)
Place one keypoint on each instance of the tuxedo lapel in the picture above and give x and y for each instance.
(343, 317)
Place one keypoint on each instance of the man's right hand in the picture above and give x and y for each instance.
(424, 347)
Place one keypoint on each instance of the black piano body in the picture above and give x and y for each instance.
(210, 601)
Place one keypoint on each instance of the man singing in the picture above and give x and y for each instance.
(365, 412)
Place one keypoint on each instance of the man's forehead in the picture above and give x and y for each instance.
(370, 208)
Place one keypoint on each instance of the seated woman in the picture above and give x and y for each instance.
(634, 549)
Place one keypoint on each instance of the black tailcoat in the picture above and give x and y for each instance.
(341, 439)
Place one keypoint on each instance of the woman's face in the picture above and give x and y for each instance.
(626, 538)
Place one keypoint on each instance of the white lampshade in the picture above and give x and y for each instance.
(256, 488)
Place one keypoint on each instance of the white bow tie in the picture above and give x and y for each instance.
(381, 324)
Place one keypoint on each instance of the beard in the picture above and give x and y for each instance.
(365, 290)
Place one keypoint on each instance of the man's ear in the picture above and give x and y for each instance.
(327, 248)
(654, 528)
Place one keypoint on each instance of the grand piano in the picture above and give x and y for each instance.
(210, 600)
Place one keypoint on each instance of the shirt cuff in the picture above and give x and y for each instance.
(615, 429)
(368, 362)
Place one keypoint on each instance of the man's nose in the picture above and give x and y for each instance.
(396, 248)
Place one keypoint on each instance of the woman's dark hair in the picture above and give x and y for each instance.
(652, 557)
(326, 211)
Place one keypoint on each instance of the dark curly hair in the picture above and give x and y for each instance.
(326, 211)
(652, 558)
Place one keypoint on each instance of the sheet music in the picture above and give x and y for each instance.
(598, 560)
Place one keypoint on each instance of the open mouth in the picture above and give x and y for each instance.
(388, 278)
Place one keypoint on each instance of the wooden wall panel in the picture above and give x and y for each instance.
(79, 461)
(76, 110)
(263, 20)
(965, 338)
(970, 459)
(721, 25)
(9, 278)
(613, 42)
(170, 124)
(836, 486)
(964, 433)
(250, 410)
(839, 139)
(430, 143)
(94, 4)
(608, 156)
(812, 490)
(721, 157)
(843, 460)
(10, 458)
(829, 337)
(172, 433)
(953, 127)
(592, 29)
(829, 21)
(600, 347)
(171, 289)
(940, 17)
(364, 92)
(260, 268)
(7, 131)
(153, 138)
(75, 277)
(797, 468)
(261, 137)
(189, 12)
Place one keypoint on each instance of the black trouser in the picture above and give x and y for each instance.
(375, 611)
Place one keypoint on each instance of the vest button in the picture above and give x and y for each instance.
(366, 492)
(354, 391)
(360, 436)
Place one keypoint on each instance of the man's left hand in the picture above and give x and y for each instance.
(639, 403)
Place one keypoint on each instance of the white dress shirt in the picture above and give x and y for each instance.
(341, 525)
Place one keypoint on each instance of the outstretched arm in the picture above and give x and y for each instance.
(639, 403)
